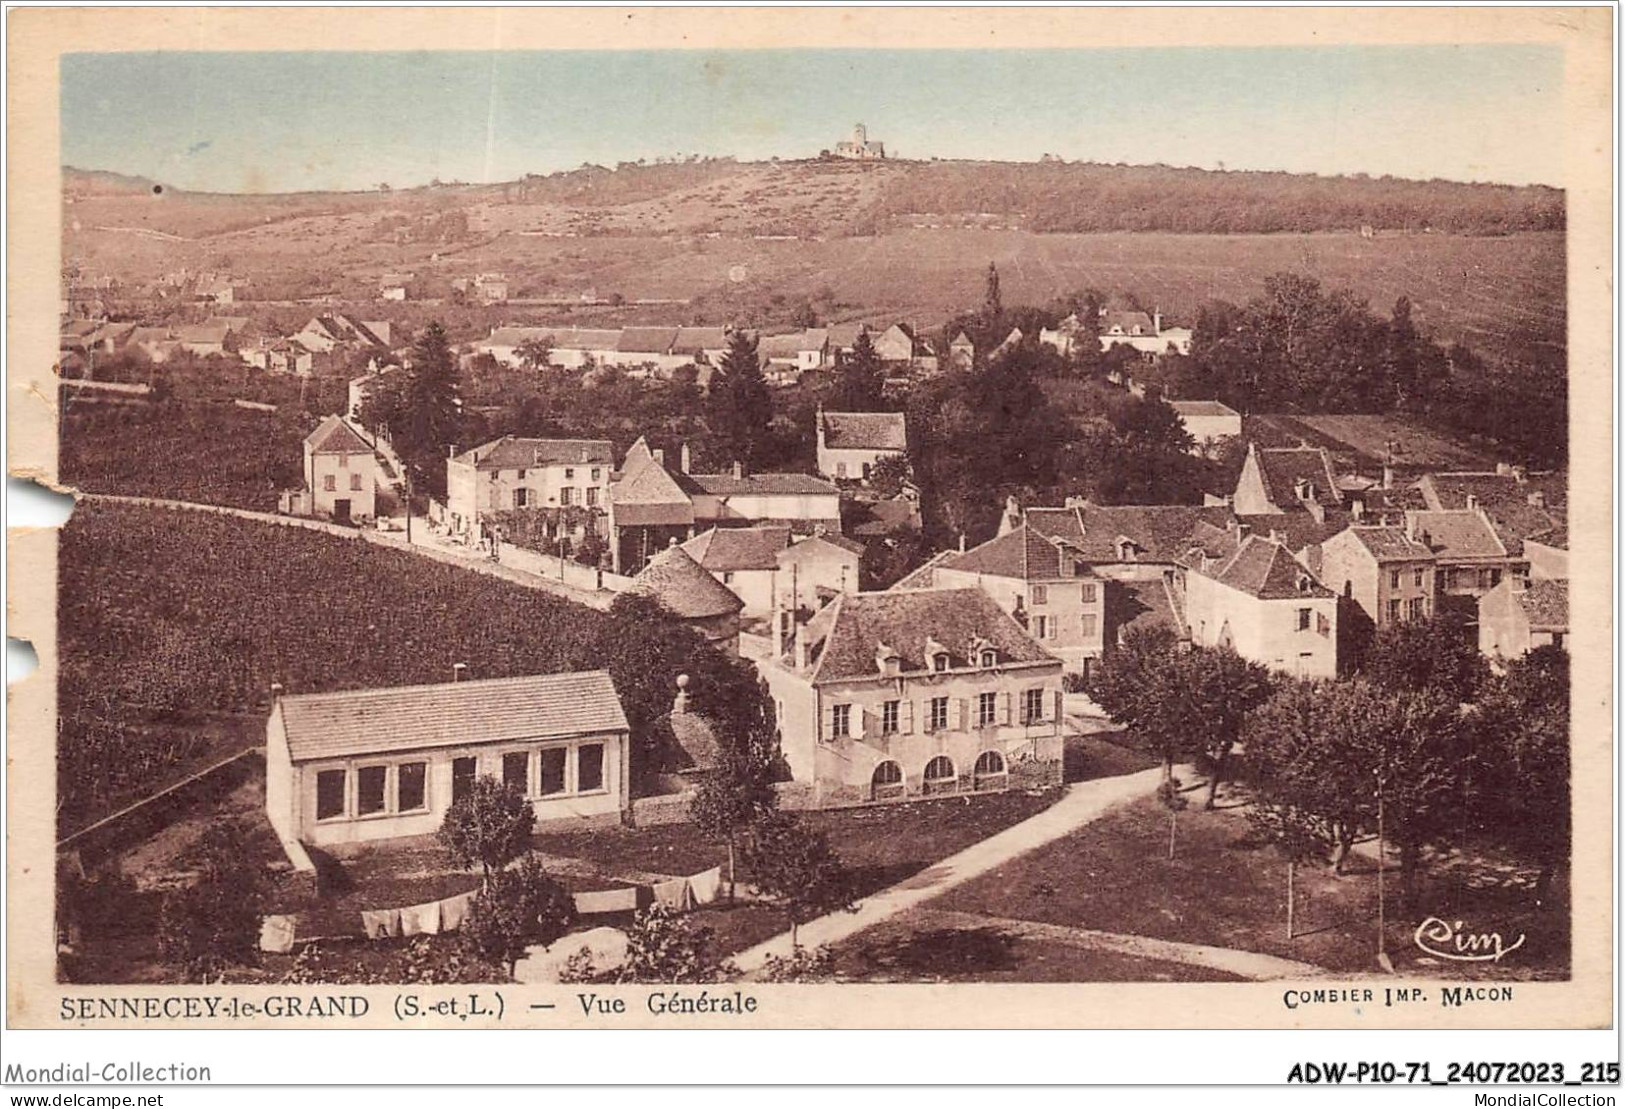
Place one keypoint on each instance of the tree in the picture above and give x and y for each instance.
(888, 475)
(1522, 789)
(738, 792)
(1439, 652)
(1138, 687)
(664, 948)
(741, 407)
(859, 382)
(535, 353)
(795, 868)
(489, 825)
(992, 301)
(430, 419)
(515, 909)
(1222, 688)
(214, 922)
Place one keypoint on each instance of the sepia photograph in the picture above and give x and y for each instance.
(561, 519)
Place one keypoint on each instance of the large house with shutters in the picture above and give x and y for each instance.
(511, 473)
(1384, 569)
(1261, 602)
(371, 764)
(914, 693)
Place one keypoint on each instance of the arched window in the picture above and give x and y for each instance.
(989, 770)
(939, 661)
(990, 657)
(940, 776)
(887, 781)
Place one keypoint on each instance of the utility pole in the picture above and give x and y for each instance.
(407, 467)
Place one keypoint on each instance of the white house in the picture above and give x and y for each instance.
(851, 443)
(372, 764)
(1265, 605)
(1207, 421)
(511, 473)
(341, 472)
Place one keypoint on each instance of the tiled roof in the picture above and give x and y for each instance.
(1138, 604)
(450, 714)
(739, 548)
(1547, 604)
(693, 340)
(1267, 571)
(843, 335)
(647, 340)
(334, 436)
(844, 636)
(1298, 528)
(792, 344)
(1504, 499)
(694, 743)
(723, 485)
(1457, 534)
(1023, 554)
(511, 453)
(1159, 531)
(1201, 408)
(876, 431)
(1283, 467)
(851, 546)
(923, 576)
(1128, 321)
(684, 587)
(646, 481)
(1389, 544)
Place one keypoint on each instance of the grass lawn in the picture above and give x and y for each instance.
(882, 845)
(913, 948)
(1102, 755)
(1222, 888)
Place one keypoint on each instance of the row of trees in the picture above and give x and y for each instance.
(1423, 742)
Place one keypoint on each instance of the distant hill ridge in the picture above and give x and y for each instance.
(838, 198)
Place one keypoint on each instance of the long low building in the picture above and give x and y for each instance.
(373, 764)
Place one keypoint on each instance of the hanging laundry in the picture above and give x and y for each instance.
(453, 910)
(276, 934)
(381, 923)
(607, 901)
(707, 886)
(674, 895)
(421, 920)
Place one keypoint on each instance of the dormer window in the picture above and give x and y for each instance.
(887, 660)
(1304, 583)
(939, 661)
(936, 655)
(989, 657)
(1125, 550)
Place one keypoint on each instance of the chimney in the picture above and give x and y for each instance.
(684, 461)
(1387, 476)
(1537, 498)
(1472, 503)
(1410, 526)
(660, 456)
(1317, 510)
(1275, 536)
(1156, 321)
(276, 690)
(1357, 509)
(459, 671)
(961, 542)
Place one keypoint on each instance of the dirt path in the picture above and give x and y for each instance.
(1242, 964)
(1082, 804)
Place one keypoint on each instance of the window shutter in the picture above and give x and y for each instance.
(925, 715)
(1004, 708)
(962, 709)
(1060, 705)
(905, 717)
(860, 721)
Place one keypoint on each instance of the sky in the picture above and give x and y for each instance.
(284, 122)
